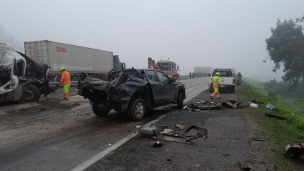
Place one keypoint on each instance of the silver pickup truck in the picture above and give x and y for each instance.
(227, 77)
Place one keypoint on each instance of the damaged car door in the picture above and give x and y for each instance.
(167, 86)
(155, 86)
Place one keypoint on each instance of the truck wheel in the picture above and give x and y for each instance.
(96, 110)
(180, 100)
(137, 109)
(32, 93)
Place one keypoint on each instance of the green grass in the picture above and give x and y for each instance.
(280, 132)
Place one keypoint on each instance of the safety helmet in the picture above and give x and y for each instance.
(62, 68)
(217, 73)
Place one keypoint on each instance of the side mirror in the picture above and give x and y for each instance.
(173, 79)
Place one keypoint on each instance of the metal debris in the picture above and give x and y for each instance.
(270, 106)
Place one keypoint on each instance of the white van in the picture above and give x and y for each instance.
(227, 77)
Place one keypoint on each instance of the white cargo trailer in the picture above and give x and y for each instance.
(202, 71)
(75, 59)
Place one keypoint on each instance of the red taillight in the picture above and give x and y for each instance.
(233, 81)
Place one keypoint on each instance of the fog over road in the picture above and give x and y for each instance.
(60, 135)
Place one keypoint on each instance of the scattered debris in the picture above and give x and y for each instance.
(155, 144)
(110, 144)
(296, 150)
(209, 105)
(254, 166)
(138, 126)
(179, 126)
(131, 149)
(201, 132)
(270, 106)
(167, 131)
(274, 116)
(260, 139)
(253, 105)
(162, 132)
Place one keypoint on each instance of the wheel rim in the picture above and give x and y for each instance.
(139, 109)
(29, 95)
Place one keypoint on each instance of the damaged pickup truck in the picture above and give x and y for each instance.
(21, 79)
(132, 90)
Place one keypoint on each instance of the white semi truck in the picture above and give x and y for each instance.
(75, 59)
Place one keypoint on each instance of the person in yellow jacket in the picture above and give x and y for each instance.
(66, 81)
(216, 83)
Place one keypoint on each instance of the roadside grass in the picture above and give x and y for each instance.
(280, 132)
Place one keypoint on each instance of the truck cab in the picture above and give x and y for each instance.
(227, 78)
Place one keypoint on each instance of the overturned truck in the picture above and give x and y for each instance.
(132, 90)
(21, 79)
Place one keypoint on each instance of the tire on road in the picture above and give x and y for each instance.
(137, 109)
(97, 111)
(32, 93)
(180, 100)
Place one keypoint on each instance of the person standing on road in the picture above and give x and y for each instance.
(66, 81)
(190, 74)
(216, 83)
(239, 79)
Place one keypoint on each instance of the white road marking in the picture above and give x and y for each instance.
(107, 151)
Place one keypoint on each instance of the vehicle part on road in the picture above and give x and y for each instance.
(149, 131)
(97, 111)
(296, 150)
(155, 144)
(201, 132)
(270, 106)
(253, 105)
(179, 126)
(274, 116)
(32, 93)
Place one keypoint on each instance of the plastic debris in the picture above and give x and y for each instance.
(253, 105)
(270, 106)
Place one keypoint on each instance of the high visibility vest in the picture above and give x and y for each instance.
(65, 78)
(215, 81)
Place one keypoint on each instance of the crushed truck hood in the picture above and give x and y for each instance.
(7, 55)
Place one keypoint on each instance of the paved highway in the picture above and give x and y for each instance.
(60, 135)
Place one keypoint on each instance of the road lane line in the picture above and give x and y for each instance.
(107, 151)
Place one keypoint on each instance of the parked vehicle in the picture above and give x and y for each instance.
(227, 77)
(132, 90)
(21, 79)
(202, 71)
(75, 59)
(168, 67)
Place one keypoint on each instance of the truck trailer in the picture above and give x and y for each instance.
(202, 71)
(75, 59)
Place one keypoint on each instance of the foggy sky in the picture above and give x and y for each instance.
(217, 33)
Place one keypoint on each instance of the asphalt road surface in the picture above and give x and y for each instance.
(60, 135)
(227, 144)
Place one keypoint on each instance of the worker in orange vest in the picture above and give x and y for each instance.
(66, 81)
(216, 83)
